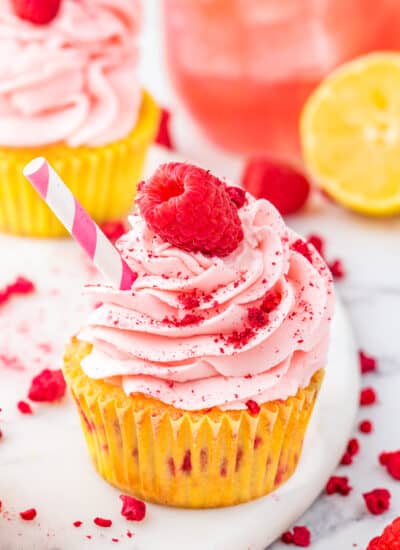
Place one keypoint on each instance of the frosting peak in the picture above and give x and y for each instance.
(200, 331)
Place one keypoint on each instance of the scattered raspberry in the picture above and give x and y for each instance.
(237, 195)
(48, 386)
(77, 523)
(28, 515)
(337, 269)
(24, 407)
(302, 248)
(163, 137)
(390, 538)
(367, 362)
(365, 426)
(101, 522)
(191, 209)
(37, 11)
(287, 538)
(347, 459)
(113, 230)
(318, 243)
(301, 536)
(377, 501)
(391, 461)
(253, 406)
(132, 508)
(338, 485)
(286, 188)
(21, 285)
(257, 318)
(367, 397)
(353, 447)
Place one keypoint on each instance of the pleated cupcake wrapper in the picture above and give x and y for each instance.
(103, 179)
(188, 459)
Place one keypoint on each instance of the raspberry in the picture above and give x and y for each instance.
(132, 508)
(367, 362)
(24, 407)
(367, 397)
(101, 522)
(113, 230)
(339, 485)
(253, 406)
(365, 426)
(48, 386)
(237, 195)
(39, 12)
(390, 538)
(164, 136)
(286, 188)
(191, 209)
(377, 501)
(28, 515)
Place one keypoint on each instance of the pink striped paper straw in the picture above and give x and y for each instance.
(78, 222)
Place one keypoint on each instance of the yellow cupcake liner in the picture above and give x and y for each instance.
(191, 459)
(103, 179)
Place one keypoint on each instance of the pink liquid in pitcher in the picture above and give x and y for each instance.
(244, 68)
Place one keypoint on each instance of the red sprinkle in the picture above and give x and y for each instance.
(337, 269)
(132, 508)
(113, 230)
(28, 515)
(48, 386)
(367, 397)
(377, 501)
(24, 407)
(101, 522)
(163, 137)
(367, 362)
(365, 426)
(253, 406)
(391, 461)
(77, 523)
(338, 485)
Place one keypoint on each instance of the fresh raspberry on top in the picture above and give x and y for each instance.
(285, 187)
(191, 209)
(38, 12)
(390, 538)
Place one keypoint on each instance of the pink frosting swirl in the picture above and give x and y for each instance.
(197, 331)
(72, 81)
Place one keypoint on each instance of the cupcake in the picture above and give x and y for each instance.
(196, 386)
(71, 94)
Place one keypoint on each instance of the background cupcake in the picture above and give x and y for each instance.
(71, 94)
(195, 388)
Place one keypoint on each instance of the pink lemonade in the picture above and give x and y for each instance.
(244, 68)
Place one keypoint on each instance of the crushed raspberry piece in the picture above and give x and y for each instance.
(113, 230)
(188, 319)
(191, 209)
(367, 362)
(24, 407)
(391, 461)
(101, 522)
(28, 515)
(270, 301)
(37, 11)
(253, 406)
(365, 426)
(132, 508)
(390, 538)
(77, 523)
(237, 195)
(164, 136)
(337, 269)
(302, 248)
(286, 188)
(287, 538)
(189, 300)
(318, 243)
(347, 459)
(353, 446)
(301, 536)
(240, 339)
(257, 318)
(377, 501)
(48, 386)
(367, 397)
(339, 485)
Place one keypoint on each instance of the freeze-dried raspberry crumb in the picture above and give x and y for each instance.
(48, 386)
(270, 301)
(300, 536)
(102, 522)
(133, 509)
(390, 538)
(339, 485)
(302, 248)
(77, 523)
(286, 188)
(237, 195)
(365, 426)
(164, 135)
(347, 459)
(240, 339)
(28, 515)
(256, 317)
(391, 461)
(24, 407)
(191, 209)
(353, 446)
(377, 501)
(367, 397)
(188, 319)
(253, 406)
(287, 538)
(318, 243)
(367, 362)
(189, 300)
(337, 269)
(113, 230)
